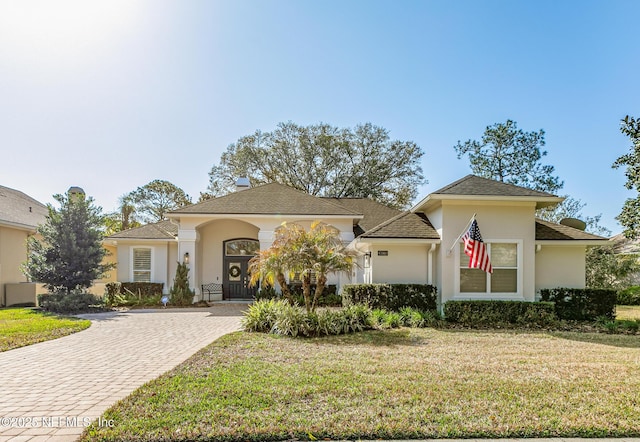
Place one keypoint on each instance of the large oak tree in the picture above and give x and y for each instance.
(324, 160)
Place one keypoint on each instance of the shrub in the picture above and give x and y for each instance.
(499, 313)
(410, 317)
(581, 304)
(391, 296)
(329, 297)
(280, 317)
(70, 303)
(180, 293)
(629, 296)
(630, 326)
(266, 292)
(112, 291)
(261, 316)
(142, 289)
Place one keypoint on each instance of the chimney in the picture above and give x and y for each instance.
(76, 192)
(242, 184)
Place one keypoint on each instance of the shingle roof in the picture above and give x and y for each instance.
(20, 209)
(160, 230)
(475, 185)
(268, 199)
(373, 212)
(548, 231)
(406, 225)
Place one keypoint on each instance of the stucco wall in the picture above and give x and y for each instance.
(13, 252)
(111, 258)
(513, 221)
(560, 266)
(404, 264)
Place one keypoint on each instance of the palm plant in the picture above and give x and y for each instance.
(296, 250)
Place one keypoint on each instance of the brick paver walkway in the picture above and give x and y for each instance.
(50, 391)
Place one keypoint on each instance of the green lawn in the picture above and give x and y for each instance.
(23, 326)
(629, 312)
(405, 383)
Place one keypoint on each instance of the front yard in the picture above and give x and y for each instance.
(23, 326)
(406, 383)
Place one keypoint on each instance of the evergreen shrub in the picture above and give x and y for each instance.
(581, 304)
(70, 303)
(392, 297)
(500, 313)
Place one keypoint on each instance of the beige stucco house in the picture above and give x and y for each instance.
(219, 236)
(19, 216)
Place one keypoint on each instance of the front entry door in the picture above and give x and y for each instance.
(236, 278)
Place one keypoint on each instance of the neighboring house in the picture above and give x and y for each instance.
(19, 216)
(219, 236)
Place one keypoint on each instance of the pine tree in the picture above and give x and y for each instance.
(66, 253)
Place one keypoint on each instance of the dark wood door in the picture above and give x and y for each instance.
(237, 277)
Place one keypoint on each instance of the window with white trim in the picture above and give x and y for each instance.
(506, 264)
(141, 265)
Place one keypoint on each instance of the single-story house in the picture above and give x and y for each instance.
(218, 237)
(19, 216)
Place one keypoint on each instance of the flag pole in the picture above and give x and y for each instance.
(460, 236)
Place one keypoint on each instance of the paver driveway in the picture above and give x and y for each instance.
(52, 390)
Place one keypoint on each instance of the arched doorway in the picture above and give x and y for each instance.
(237, 253)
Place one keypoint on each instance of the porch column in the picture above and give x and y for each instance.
(344, 277)
(266, 239)
(187, 239)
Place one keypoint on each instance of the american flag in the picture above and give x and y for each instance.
(476, 249)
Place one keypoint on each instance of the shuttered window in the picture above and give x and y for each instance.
(141, 265)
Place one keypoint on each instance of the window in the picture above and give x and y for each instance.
(142, 265)
(505, 260)
(241, 247)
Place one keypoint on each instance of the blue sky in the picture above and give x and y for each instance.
(111, 95)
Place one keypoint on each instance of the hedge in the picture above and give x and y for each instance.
(329, 297)
(495, 313)
(391, 296)
(69, 303)
(582, 304)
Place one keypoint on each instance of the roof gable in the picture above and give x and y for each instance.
(475, 185)
(268, 199)
(162, 230)
(18, 208)
(475, 188)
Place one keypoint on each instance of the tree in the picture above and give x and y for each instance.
(298, 251)
(180, 293)
(629, 217)
(324, 160)
(269, 267)
(605, 269)
(125, 218)
(152, 201)
(68, 255)
(509, 155)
